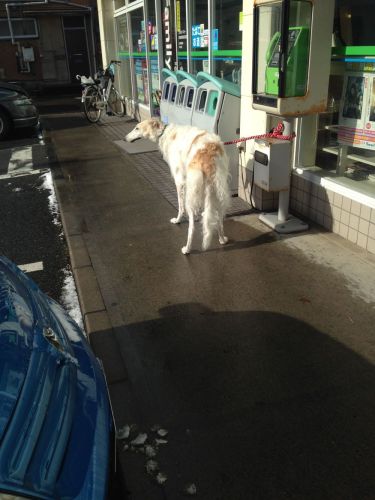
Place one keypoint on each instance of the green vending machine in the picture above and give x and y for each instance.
(296, 65)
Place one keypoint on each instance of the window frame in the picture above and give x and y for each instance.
(20, 37)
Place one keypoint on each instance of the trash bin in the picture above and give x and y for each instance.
(217, 109)
(168, 96)
(185, 100)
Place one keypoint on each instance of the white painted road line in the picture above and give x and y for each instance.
(31, 268)
(21, 159)
(14, 174)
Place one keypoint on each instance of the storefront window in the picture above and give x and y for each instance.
(181, 34)
(227, 40)
(200, 35)
(153, 51)
(346, 130)
(138, 30)
(123, 71)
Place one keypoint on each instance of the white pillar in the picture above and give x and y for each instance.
(107, 30)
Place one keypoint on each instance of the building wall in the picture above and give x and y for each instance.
(8, 62)
(349, 218)
(51, 65)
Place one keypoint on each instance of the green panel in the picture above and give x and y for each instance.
(297, 63)
(183, 75)
(167, 72)
(212, 101)
(228, 53)
(351, 50)
(223, 85)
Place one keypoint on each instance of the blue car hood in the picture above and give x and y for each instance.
(17, 320)
(55, 418)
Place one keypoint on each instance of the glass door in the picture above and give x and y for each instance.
(138, 55)
(123, 71)
(200, 36)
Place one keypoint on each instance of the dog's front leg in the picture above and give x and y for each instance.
(181, 203)
(186, 249)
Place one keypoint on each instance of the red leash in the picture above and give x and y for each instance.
(277, 133)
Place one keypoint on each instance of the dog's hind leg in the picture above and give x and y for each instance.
(181, 202)
(186, 249)
(220, 229)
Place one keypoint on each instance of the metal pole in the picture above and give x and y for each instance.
(284, 196)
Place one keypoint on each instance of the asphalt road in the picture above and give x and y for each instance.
(30, 226)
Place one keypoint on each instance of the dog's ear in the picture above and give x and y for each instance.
(155, 123)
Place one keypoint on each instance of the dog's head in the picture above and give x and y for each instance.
(149, 129)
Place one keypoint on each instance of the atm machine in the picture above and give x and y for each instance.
(291, 67)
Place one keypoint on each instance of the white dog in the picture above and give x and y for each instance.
(199, 167)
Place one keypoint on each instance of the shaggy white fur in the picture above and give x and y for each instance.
(199, 167)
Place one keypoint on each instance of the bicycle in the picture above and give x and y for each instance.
(99, 93)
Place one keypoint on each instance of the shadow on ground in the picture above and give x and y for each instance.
(258, 405)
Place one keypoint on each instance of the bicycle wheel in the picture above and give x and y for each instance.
(92, 104)
(116, 103)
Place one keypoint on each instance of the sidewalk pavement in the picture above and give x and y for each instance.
(257, 357)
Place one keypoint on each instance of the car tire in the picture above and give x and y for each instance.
(4, 124)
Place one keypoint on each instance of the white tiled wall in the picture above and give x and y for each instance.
(348, 218)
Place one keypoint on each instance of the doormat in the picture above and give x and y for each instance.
(137, 147)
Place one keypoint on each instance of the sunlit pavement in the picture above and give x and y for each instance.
(257, 358)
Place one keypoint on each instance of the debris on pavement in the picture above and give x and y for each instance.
(151, 466)
(149, 446)
(190, 489)
(139, 440)
(162, 432)
(161, 478)
(161, 441)
(123, 433)
(150, 451)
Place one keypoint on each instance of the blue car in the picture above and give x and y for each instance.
(56, 424)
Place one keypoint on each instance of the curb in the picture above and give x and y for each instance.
(94, 312)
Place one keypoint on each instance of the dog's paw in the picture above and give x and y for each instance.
(185, 250)
(175, 220)
(223, 240)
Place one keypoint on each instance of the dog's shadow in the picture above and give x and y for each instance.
(232, 244)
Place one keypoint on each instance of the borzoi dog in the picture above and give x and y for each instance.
(199, 167)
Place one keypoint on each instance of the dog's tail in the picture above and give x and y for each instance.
(216, 200)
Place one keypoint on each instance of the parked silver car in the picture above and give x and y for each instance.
(17, 109)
